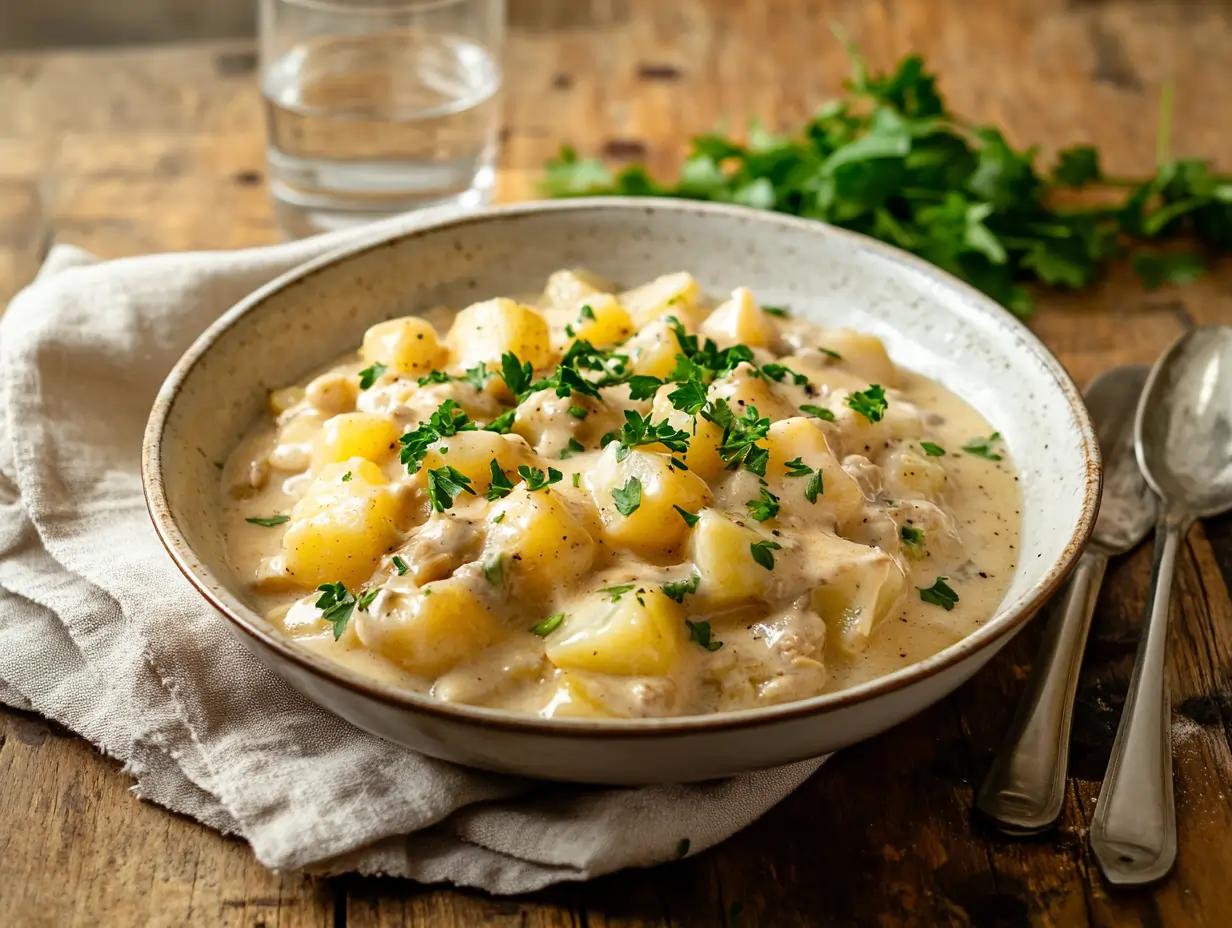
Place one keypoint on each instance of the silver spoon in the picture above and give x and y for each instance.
(1184, 443)
(1025, 787)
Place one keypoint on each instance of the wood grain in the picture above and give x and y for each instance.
(132, 151)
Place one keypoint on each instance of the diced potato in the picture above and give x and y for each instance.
(654, 349)
(702, 458)
(546, 545)
(600, 320)
(293, 447)
(407, 346)
(721, 550)
(856, 587)
(567, 289)
(283, 399)
(333, 393)
(908, 475)
(340, 529)
(865, 355)
(641, 634)
(473, 453)
(271, 576)
(740, 321)
(575, 699)
(803, 438)
(481, 333)
(654, 526)
(355, 435)
(429, 630)
(672, 293)
(743, 389)
(857, 433)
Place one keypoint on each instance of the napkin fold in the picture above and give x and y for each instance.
(99, 631)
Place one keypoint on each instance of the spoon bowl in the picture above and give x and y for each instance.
(1184, 423)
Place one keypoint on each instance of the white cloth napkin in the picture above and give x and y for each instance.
(100, 632)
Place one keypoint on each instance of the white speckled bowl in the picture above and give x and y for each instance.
(930, 322)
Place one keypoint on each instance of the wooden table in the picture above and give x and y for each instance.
(160, 148)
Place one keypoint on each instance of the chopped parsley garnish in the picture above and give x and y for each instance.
(336, 604)
(704, 361)
(641, 431)
(346, 478)
(913, 540)
(498, 518)
(571, 449)
(578, 412)
(819, 411)
(700, 632)
(939, 594)
(494, 570)
(982, 447)
(477, 376)
(830, 354)
(628, 497)
(780, 311)
(444, 483)
(780, 372)
(500, 486)
(577, 479)
(502, 423)
(766, 506)
(643, 386)
(517, 374)
(434, 377)
(690, 518)
(761, 552)
(870, 403)
(366, 599)
(371, 374)
(535, 479)
(269, 521)
(586, 313)
(447, 420)
(740, 434)
(797, 468)
(400, 565)
(679, 589)
(618, 591)
(932, 450)
(689, 397)
(548, 625)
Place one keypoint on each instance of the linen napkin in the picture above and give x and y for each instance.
(99, 631)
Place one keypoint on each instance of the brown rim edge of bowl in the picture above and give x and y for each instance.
(177, 546)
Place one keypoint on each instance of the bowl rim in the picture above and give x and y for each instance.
(247, 622)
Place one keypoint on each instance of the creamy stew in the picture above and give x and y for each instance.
(608, 504)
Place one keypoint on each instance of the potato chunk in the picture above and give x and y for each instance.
(641, 634)
(481, 333)
(702, 458)
(546, 545)
(407, 346)
(429, 630)
(864, 355)
(599, 319)
(742, 388)
(803, 438)
(672, 293)
(721, 550)
(282, 399)
(857, 586)
(740, 321)
(473, 453)
(908, 475)
(653, 526)
(340, 529)
(355, 435)
(569, 288)
(575, 699)
(654, 349)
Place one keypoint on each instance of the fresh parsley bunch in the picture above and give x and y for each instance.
(890, 161)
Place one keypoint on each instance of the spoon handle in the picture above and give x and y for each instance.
(1133, 832)
(1025, 787)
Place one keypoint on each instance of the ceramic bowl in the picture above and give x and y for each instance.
(930, 322)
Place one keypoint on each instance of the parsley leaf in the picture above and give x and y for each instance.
(366, 599)
(780, 372)
(400, 566)
(982, 447)
(830, 354)
(639, 431)
(516, 373)
(700, 632)
(578, 412)
(499, 487)
(628, 497)
(571, 449)
(689, 397)
(797, 468)
(618, 591)
(932, 450)
(446, 421)
(643, 386)
(535, 479)
(477, 376)
(690, 518)
(548, 625)
(780, 311)
(336, 604)
(819, 412)
(939, 594)
(740, 434)
(761, 552)
(494, 570)
(444, 483)
(870, 403)
(346, 478)
(371, 374)
(766, 506)
(433, 377)
(503, 423)
(269, 521)
(913, 540)
(679, 589)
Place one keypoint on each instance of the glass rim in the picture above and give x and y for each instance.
(373, 7)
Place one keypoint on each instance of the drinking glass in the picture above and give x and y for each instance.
(376, 107)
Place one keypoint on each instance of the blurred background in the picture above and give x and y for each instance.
(45, 23)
